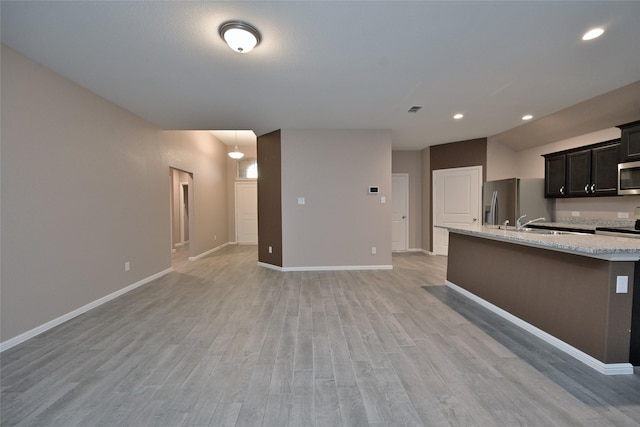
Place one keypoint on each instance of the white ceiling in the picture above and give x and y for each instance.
(336, 64)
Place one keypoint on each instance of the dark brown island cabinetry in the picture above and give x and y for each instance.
(630, 142)
(582, 172)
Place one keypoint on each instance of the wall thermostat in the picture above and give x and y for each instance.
(374, 190)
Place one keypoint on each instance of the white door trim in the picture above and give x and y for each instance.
(406, 208)
(238, 184)
(182, 209)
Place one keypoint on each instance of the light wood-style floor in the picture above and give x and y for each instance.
(225, 342)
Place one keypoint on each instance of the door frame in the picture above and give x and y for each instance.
(406, 207)
(172, 200)
(479, 168)
(236, 185)
(183, 207)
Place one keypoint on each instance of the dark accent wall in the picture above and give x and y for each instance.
(569, 296)
(472, 152)
(270, 199)
(460, 154)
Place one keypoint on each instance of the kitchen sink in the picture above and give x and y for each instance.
(550, 232)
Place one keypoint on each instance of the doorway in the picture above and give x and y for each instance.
(457, 200)
(181, 227)
(400, 215)
(247, 213)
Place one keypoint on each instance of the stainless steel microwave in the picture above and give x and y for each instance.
(629, 178)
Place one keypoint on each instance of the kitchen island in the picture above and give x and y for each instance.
(567, 288)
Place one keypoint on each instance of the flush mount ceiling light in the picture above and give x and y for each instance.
(240, 36)
(593, 34)
(458, 116)
(527, 117)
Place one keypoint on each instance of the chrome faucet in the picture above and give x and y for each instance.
(520, 226)
(506, 224)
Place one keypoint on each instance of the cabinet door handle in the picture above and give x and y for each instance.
(586, 188)
(562, 190)
(593, 188)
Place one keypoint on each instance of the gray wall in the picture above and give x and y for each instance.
(340, 222)
(86, 187)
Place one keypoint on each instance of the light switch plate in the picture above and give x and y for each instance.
(301, 200)
(622, 284)
(623, 214)
(383, 199)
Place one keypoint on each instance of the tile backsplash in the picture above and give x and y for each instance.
(619, 209)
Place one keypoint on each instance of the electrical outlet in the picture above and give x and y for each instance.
(374, 250)
(622, 284)
(383, 199)
(127, 266)
(270, 250)
(575, 213)
(623, 215)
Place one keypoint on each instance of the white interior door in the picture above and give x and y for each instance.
(457, 200)
(247, 212)
(399, 219)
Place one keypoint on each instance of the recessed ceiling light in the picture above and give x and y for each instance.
(458, 116)
(527, 117)
(593, 34)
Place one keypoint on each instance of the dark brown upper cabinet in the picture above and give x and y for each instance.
(582, 172)
(555, 180)
(630, 142)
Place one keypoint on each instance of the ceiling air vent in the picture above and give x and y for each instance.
(415, 108)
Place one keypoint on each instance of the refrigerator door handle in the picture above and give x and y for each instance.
(493, 212)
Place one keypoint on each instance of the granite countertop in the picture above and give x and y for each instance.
(609, 248)
(584, 224)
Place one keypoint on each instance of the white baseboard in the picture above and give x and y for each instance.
(424, 251)
(327, 267)
(339, 268)
(269, 266)
(603, 368)
(209, 252)
(5, 345)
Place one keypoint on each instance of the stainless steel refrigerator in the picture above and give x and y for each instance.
(508, 199)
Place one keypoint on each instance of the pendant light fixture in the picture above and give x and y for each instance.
(235, 154)
(240, 36)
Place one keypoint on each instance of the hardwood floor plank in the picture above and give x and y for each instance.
(326, 403)
(352, 407)
(224, 342)
(302, 405)
(304, 351)
(375, 402)
(278, 409)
